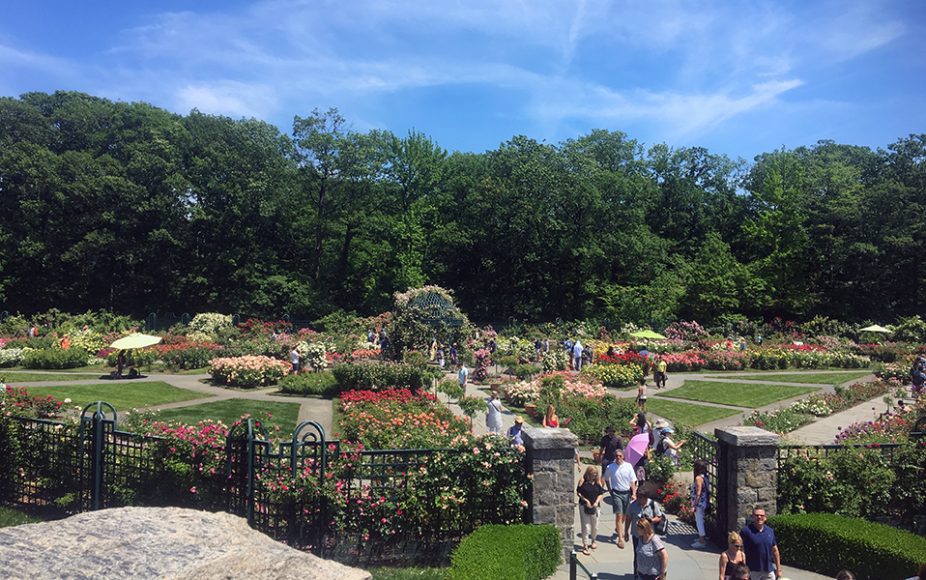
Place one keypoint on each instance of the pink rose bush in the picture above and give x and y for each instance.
(248, 371)
(398, 419)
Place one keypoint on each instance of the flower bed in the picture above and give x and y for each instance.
(624, 358)
(398, 419)
(888, 429)
(10, 357)
(684, 361)
(821, 405)
(248, 371)
(616, 376)
(186, 354)
(18, 401)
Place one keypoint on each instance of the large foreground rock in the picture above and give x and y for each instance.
(156, 543)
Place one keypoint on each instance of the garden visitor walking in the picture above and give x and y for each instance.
(641, 396)
(761, 548)
(652, 557)
(732, 557)
(454, 357)
(494, 414)
(590, 495)
(621, 481)
(550, 418)
(610, 443)
(700, 496)
(440, 358)
(295, 359)
(644, 508)
(463, 377)
(577, 349)
(660, 374)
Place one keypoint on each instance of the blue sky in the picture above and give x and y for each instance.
(736, 77)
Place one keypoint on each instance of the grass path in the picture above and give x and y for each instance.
(809, 377)
(285, 415)
(751, 396)
(687, 413)
(120, 395)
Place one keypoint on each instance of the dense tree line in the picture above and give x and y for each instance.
(128, 207)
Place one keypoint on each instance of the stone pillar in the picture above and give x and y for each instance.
(748, 470)
(551, 462)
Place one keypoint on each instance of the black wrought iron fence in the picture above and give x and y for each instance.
(709, 450)
(335, 499)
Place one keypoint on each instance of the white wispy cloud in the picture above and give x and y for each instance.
(680, 114)
(13, 57)
(712, 60)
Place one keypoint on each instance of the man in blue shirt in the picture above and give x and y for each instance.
(760, 548)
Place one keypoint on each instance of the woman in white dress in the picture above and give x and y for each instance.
(494, 414)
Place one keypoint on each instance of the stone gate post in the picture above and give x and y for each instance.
(551, 461)
(748, 460)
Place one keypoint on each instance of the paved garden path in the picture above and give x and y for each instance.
(818, 433)
(317, 409)
(685, 562)
(310, 408)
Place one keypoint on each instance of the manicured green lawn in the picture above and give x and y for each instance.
(11, 517)
(808, 377)
(123, 395)
(229, 410)
(14, 377)
(739, 394)
(687, 413)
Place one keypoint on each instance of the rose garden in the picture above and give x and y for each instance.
(377, 455)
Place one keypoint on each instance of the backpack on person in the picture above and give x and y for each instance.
(661, 446)
(662, 528)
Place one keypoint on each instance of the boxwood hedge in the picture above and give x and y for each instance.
(380, 375)
(827, 543)
(513, 552)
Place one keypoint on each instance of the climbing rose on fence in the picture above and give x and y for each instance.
(248, 371)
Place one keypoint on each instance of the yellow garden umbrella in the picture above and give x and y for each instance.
(876, 328)
(135, 340)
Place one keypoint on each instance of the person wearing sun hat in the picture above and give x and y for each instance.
(514, 434)
(656, 432)
(668, 446)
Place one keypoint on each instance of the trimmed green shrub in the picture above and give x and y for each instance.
(827, 543)
(54, 358)
(380, 375)
(321, 383)
(852, 482)
(522, 371)
(516, 552)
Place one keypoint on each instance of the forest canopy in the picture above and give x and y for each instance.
(131, 208)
